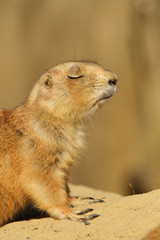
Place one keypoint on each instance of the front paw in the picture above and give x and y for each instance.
(65, 212)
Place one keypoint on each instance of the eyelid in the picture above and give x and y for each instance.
(75, 76)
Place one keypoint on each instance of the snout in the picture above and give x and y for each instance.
(112, 78)
(111, 85)
(106, 87)
(113, 82)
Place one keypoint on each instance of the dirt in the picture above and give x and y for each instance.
(127, 218)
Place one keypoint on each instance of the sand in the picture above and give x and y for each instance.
(126, 218)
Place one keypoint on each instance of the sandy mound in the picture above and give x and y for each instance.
(121, 217)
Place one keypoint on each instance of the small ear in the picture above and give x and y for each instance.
(48, 82)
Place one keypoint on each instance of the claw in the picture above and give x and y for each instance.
(87, 198)
(86, 223)
(91, 198)
(71, 206)
(90, 217)
(85, 211)
(97, 201)
(85, 219)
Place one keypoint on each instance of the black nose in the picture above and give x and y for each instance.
(113, 82)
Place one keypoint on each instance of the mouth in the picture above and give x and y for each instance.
(105, 98)
(102, 100)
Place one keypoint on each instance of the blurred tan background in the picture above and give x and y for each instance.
(123, 36)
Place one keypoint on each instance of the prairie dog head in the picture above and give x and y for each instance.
(74, 90)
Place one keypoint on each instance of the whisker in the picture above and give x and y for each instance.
(121, 98)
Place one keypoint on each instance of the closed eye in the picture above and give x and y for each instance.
(75, 77)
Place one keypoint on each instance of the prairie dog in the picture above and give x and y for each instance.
(41, 139)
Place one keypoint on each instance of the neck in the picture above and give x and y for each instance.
(45, 122)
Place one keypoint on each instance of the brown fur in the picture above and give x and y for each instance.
(41, 139)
